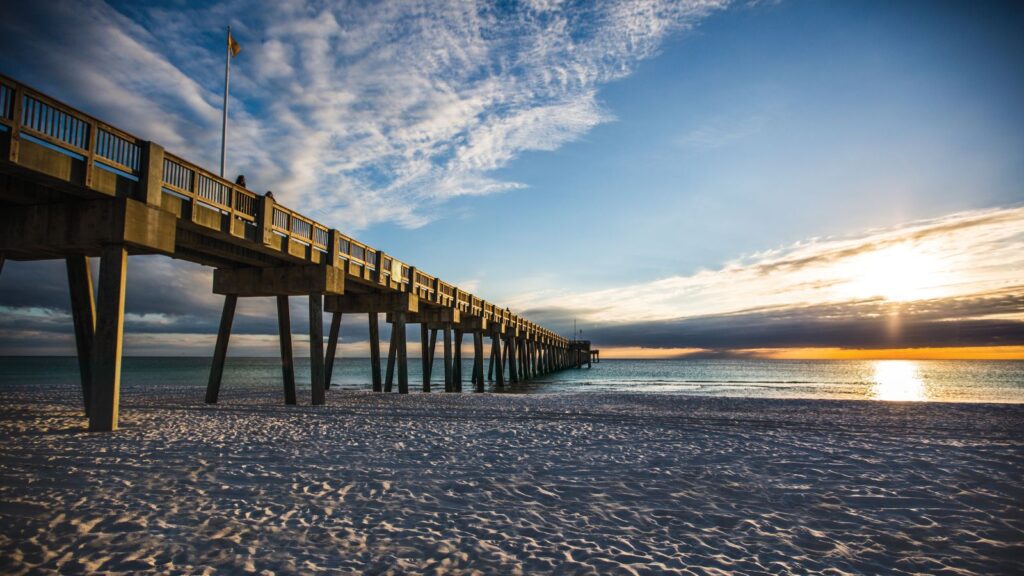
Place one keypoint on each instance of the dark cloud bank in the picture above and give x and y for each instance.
(177, 300)
(972, 321)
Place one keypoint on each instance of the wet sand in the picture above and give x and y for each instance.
(502, 484)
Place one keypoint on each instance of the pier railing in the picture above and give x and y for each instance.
(113, 161)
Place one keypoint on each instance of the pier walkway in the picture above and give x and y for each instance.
(73, 187)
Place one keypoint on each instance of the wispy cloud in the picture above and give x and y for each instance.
(359, 112)
(884, 287)
(951, 281)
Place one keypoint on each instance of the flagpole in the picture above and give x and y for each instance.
(224, 121)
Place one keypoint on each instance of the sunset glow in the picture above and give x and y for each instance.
(951, 353)
(899, 273)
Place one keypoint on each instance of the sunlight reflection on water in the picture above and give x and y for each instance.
(897, 380)
(927, 380)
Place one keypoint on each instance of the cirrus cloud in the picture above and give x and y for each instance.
(357, 112)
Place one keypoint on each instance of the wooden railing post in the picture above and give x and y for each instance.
(90, 158)
(380, 268)
(151, 171)
(334, 248)
(18, 96)
(265, 218)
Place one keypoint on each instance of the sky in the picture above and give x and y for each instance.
(790, 178)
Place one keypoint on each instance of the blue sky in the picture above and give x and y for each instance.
(550, 153)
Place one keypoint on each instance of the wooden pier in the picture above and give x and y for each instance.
(73, 187)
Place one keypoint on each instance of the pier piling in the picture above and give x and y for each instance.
(73, 187)
(83, 314)
(220, 351)
(374, 327)
(106, 357)
(284, 330)
(332, 349)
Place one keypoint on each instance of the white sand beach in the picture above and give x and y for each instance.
(501, 484)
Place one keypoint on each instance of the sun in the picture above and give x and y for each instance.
(899, 273)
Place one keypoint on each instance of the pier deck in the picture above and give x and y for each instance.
(73, 187)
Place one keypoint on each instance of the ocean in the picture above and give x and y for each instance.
(900, 380)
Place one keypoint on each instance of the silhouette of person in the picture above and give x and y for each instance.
(240, 180)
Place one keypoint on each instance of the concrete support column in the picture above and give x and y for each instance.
(106, 352)
(316, 349)
(332, 349)
(496, 348)
(284, 330)
(220, 351)
(433, 349)
(490, 362)
(425, 355)
(533, 359)
(457, 362)
(83, 312)
(389, 378)
(524, 358)
(374, 351)
(403, 360)
(447, 329)
(513, 372)
(478, 360)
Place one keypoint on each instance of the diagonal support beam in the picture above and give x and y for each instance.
(389, 379)
(425, 359)
(332, 349)
(83, 312)
(316, 349)
(220, 351)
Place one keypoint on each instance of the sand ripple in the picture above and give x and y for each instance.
(566, 484)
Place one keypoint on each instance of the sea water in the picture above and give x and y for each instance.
(883, 380)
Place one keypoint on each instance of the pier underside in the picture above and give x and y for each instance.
(74, 188)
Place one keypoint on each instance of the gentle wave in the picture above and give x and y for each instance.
(974, 381)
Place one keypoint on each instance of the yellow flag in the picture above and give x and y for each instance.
(233, 46)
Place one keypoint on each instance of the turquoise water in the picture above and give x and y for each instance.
(931, 380)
